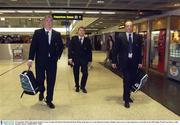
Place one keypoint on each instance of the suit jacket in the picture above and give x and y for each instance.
(40, 47)
(120, 51)
(80, 52)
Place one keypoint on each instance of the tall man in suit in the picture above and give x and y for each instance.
(46, 47)
(79, 55)
(127, 50)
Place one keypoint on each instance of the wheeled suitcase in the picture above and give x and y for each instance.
(140, 80)
(28, 83)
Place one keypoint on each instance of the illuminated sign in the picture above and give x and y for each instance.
(57, 16)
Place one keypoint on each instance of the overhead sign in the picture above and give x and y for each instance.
(59, 16)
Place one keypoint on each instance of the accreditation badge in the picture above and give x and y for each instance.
(130, 55)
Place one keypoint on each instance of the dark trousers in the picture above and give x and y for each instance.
(84, 70)
(48, 69)
(129, 74)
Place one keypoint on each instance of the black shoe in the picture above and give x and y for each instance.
(126, 104)
(130, 100)
(84, 90)
(41, 97)
(50, 105)
(77, 89)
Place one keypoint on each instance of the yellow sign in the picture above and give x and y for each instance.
(67, 16)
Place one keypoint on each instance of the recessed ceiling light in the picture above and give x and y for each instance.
(59, 11)
(24, 11)
(140, 13)
(91, 29)
(108, 12)
(41, 11)
(2, 18)
(7, 11)
(100, 1)
(13, 0)
(177, 4)
(92, 12)
(75, 11)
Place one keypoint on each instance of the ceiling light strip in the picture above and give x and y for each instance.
(59, 11)
(91, 12)
(75, 11)
(24, 11)
(41, 11)
(108, 12)
(7, 11)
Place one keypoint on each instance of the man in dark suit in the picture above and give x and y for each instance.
(46, 47)
(79, 55)
(127, 50)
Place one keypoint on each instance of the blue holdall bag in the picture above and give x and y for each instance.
(28, 83)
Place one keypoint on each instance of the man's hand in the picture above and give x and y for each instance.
(70, 61)
(29, 63)
(139, 66)
(90, 64)
(114, 66)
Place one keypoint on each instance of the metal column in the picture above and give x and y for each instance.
(168, 30)
(149, 25)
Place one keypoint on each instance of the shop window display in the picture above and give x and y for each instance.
(174, 56)
(175, 44)
(15, 38)
(18, 54)
(157, 50)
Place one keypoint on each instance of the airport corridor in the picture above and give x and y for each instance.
(102, 102)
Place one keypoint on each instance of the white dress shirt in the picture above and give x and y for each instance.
(49, 35)
(82, 39)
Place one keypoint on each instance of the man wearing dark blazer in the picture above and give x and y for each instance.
(127, 52)
(46, 47)
(79, 55)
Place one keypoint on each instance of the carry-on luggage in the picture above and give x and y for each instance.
(140, 80)
(28, 83)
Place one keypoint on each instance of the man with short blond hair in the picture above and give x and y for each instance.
(46, 48)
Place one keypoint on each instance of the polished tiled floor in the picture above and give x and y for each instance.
(159, 87)
(102, 102)
(164, 90)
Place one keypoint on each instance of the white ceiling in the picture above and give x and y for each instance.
(124, 9)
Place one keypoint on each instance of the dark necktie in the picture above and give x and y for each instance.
(80, 40)
(130, 43)
(47, 32)
(47, 36)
